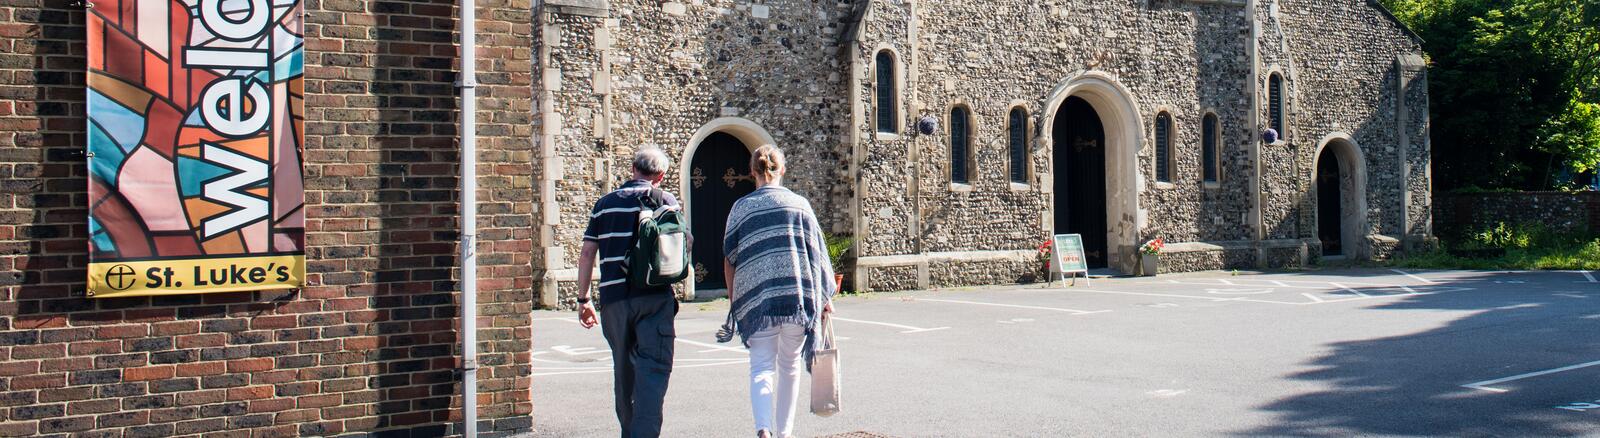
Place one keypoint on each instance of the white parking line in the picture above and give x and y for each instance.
(712, 347)
(1349, 289)
(1589, 275)
(904, 328)
(1018, 306)
(1485, 385)
(1149, 294)
(1413, 277)
(607, 369)
(1313, 298)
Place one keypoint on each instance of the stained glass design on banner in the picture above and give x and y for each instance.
(195, 128)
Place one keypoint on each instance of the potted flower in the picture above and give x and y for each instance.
(837, 247)
(1045, 251)
(1150, 257)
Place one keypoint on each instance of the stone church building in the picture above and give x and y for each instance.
(950, 138)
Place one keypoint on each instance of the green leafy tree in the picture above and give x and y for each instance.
(1515, 86)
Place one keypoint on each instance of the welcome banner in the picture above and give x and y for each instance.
(196, 120)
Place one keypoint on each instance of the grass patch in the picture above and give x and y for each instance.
(1515, 247)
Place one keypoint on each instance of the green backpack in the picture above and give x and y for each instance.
(660, 253)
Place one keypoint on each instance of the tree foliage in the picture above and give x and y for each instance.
(1515, 86)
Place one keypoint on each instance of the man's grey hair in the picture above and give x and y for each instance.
(649, 160)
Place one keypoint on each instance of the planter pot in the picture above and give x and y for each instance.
(1149, 265)
(838, 282)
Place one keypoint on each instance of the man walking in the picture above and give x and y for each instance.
(637, 323)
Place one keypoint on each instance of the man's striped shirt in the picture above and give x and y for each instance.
(611, 227)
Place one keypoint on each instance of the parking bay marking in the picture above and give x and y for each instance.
(1487, 384)
(1413, 276)
(903, 328)
(1018, 306)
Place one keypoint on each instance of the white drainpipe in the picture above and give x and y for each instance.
(469, 220)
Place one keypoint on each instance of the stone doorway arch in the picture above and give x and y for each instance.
(1123, 138)
(1339, 155)
(714, 169)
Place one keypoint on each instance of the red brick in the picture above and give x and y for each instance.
(282, 376)
(318, 401)
(249, 365)
(175, 328)
(343, 412)
(349, 304)
(38, 351)
(361, 343)
(93, 406)
(66, 394)
(123, 419)
(67, 364)
(39, 381)
(205, 397)
(202, 340)
(147, 373)
(296, 416)
(19, 428)
(271, 405)
(19, 368)
(89, 348)
(38, 322)
(201, 369)
(250, 392)
(123, 331)
(273, 322)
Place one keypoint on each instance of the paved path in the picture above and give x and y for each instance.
(1352, 352)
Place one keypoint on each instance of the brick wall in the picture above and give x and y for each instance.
(369, 345)
(1459, 214)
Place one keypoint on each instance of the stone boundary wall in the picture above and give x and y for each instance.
(369, 346)
(1459, 214)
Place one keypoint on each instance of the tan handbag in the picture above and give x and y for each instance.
(825, 372)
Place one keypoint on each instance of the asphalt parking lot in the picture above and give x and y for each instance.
(1372, 352)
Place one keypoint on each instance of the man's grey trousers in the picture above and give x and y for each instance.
(641, 334)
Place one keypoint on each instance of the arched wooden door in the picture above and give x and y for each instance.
(1330, 204)
(1080, 178)
(719, 175)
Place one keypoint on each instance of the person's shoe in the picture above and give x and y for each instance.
(763, 434)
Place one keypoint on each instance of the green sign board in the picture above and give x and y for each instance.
(1068, 251)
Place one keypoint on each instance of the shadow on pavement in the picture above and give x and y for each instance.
(1411, 384)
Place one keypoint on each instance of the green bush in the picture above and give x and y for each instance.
(1520, 246)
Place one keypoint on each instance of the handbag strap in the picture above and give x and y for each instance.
(725, 333)
(827, 331)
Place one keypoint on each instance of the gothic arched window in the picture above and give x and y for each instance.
(960, 144)
(888, 117)
(1017, 144)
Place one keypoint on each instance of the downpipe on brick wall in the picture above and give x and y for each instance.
(468, 81)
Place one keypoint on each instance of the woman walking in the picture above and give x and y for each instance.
(781, 283)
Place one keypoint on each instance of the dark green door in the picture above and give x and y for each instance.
(719, 174)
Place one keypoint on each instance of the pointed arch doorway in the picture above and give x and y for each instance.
(1340, 185)
(714, 174)
(1095, 189)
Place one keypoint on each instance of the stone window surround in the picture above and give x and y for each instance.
(1216, 158)
(1171, 147)
(1283, 106)
(973, 173)
(1027, 139)
(899, 73)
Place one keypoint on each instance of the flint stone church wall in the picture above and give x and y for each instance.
(635, 73)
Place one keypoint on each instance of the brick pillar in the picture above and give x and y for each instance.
(370, 344)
